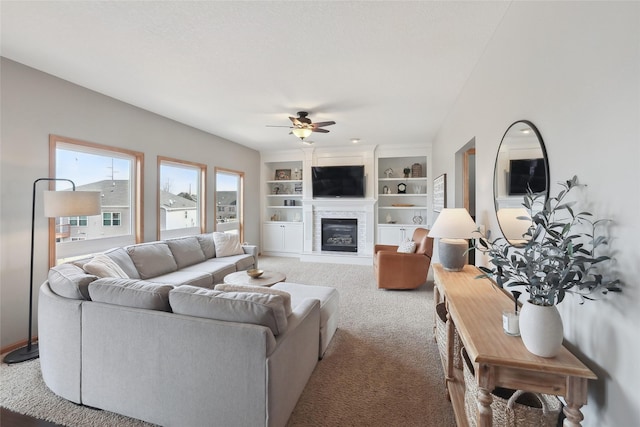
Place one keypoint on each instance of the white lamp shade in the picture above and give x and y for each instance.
(514, 222)
(302, 133)
(453, 223)
(71, 203)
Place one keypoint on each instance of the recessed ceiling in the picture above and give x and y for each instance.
(387, 72)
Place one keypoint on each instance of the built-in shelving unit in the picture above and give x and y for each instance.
(282, 227)
(399, 213)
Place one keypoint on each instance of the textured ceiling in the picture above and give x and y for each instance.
(387, 72)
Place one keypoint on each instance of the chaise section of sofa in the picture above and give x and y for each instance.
(177, 356)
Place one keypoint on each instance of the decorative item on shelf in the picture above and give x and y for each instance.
(416, 170)
(275, 189)
(406, 172)
(417, 189)
(402, 188)
(286, 189)
(289, 202)
(283, 174)
(402, 205)
(417, 218)
(297, 174)
(388, 172)
(385, 190)
(453, 226)
(389, 219)
(297, 188)
(563, 254)
(296, 217)
(56, 204)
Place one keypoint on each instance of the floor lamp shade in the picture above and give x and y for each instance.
(56, 204)
(71, 203)
(453, 226)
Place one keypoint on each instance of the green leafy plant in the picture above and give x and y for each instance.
(559, 256)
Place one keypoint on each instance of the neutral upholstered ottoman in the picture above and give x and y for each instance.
(329, 307)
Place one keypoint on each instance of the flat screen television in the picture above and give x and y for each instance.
(527, 173)
(338, 181)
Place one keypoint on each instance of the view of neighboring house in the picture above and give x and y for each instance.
(177, 211)
(226, 202)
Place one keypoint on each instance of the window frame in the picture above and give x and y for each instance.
(239, 212)
(137, 226)
(202, 196)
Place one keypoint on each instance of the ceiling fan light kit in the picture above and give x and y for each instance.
(303, 126)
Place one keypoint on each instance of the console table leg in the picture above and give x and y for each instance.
(573, 414)
(485, 413)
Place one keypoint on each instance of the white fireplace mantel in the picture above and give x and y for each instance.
(313, 210)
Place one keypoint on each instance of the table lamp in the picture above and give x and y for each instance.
(56, 204)
(453, 226)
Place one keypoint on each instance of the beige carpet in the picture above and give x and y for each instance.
(381, 369)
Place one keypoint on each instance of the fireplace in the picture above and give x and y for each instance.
(340, 234)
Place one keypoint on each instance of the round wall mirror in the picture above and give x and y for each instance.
(521, 164)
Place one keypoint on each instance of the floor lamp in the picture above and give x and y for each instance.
(453, 226)
(56, 204)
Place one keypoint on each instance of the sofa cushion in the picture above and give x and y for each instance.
(215, 267)
(227, 244)
(186, 251)
(185, 277)
(243, 307)
(103, 266)
(152, 259)
(131, 293)
(122, 258)
(286, 296)
(207, 245)
(70, 281)
(239, 262)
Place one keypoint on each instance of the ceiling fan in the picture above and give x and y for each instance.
(303, 126)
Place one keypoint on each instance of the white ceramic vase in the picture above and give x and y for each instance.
(541, 329)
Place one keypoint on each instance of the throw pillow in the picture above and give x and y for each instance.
(103, 266)
(260, 290)
(152, 259)
(242, 307)
(131, 293)
(70, 281)
(186, 251)
(227, 244)
(407, 247)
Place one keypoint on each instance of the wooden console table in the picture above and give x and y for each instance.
(475, 307)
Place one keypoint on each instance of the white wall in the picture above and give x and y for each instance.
(573, 69)
(35, 105)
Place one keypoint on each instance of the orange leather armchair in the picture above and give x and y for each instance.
(397, 270)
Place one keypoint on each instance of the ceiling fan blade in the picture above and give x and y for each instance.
(321, 124)
(295, 121)
(278, 126)
(319, 130)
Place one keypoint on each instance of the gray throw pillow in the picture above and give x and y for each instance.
(131, 293)
(243, 307)
(186, 251)
(152, 259)
(70, 281)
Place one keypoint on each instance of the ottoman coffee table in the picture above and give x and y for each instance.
(241, 278)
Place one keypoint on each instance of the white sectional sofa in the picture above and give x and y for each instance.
(160, 345)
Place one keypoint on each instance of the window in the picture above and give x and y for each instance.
(229, 201)
(181, 196)
(110, 219)
(116, 173)
(79, 221)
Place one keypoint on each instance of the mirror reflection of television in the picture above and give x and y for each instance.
(338, 181)
(527, 173)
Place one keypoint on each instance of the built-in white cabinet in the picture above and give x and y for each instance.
(282, 237)
(394, 234)
(402, 197)
(283, 193)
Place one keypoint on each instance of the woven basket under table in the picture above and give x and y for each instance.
(441, 336)
(511, 408)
